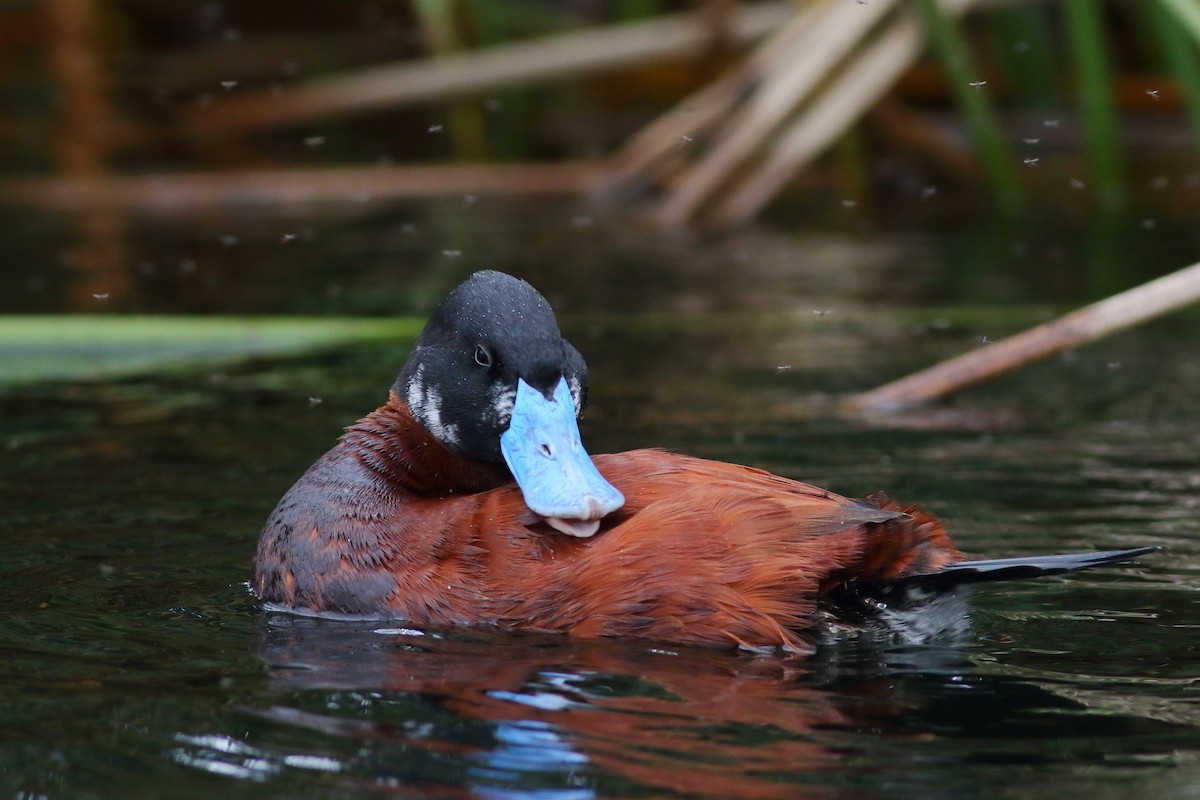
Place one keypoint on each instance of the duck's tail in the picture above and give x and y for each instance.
(931, 605)
(1003, 569)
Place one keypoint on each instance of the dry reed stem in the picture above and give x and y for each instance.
(553, 58)
(1084, 325)
(833, 36)
(696, 114)
(844, 99)
(173, 193)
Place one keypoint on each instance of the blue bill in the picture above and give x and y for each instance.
(557, 477)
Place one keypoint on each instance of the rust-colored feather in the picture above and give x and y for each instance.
(702, 552)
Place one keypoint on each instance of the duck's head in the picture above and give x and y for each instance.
(492, 379)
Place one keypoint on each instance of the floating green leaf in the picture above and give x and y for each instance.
(85, 347)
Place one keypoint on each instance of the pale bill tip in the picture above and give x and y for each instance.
(579, 528)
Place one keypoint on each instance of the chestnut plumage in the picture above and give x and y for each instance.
(415, 514)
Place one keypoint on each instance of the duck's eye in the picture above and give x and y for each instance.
(482, 357)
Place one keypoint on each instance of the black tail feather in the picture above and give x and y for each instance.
(1003, 569)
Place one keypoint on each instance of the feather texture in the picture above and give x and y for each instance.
(702, 552)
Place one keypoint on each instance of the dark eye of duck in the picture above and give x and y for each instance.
(482, 357)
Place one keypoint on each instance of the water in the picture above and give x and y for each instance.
(139, 666)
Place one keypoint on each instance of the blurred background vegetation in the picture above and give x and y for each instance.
(703, 114)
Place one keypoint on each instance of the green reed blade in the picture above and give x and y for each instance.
(1085, 32)
(1188, 14)
(1027, 52)
(1180, 56)
(998, 161)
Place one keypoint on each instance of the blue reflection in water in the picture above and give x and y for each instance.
(525, 747)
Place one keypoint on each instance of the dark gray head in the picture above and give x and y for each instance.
(460, 381)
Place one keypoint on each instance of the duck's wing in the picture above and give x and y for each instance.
(703, 552)
(1003, 569)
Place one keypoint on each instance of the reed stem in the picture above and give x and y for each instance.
(1028, 53)
(464, 118)
(999, 163)
(1180, 56)
(1188, 14)
(1086, 34)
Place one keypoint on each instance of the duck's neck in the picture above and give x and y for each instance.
(393, 444)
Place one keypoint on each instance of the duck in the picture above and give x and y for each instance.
(468, 499)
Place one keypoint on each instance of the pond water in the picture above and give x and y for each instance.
(138, 665)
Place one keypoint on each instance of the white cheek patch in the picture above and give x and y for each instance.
(502, 400)
(576, 394)
(426, 405)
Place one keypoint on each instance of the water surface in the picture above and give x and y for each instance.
(138, 665)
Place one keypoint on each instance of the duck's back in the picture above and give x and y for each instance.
(703, 552)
